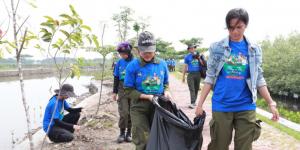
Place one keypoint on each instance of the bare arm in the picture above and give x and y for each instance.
(204, 92)
(264, 92)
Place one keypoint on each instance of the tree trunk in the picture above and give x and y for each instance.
(101, 83)
(18, 56)
(27, 114)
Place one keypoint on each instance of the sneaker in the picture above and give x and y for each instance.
(121, 137)
(192, 106)
(128, 137)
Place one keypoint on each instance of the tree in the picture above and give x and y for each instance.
(136, 28)
(164, 49)
(123, 20)
(192, 41)
(103, 51)
(21, 39)
(62, 36)
(281, 62)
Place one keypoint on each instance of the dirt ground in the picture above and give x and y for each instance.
(99, 132)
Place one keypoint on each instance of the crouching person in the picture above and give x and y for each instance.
(61, 128)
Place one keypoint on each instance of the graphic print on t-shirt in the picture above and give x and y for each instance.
(235, 66)
(122, 75)
(151, 83)
(195, 62)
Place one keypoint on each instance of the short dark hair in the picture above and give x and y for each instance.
(237, 13)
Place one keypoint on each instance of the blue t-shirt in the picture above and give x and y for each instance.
(120, 67)
(231, 92)
(193, 64)
(58, 114)
(173, 62)
(147, 79)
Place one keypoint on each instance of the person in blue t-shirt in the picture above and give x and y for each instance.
(234, 73)
(124, 49)
(144, 78)
(61, 127)
(192, 67)
(173, 64)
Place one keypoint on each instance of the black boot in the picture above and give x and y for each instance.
(121, 137)
(128, 136)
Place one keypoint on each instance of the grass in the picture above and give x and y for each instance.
(285, 113)
(279, 126)
(108, 74)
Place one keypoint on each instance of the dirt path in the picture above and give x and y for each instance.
(100, 133)
(270, 139)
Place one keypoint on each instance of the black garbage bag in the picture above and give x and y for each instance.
(172, 130)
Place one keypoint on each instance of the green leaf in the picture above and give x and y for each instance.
(95, 40)
(66, 16)
(13, 45)
(48, 24)
(89, 39)
(1, 54)
(44, 30)
(66, 51)
(73, 10)
(49, 18)
(9, 49)
(86, 27)
(65, 33)
(32, 4)
(75, 71)
(55, 46)
(47, 37)
(80, 61)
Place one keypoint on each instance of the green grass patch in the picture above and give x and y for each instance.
(108, 74)
(279, 126)
(287, 114)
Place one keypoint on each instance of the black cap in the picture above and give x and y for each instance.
(66, 90)
(191, 46)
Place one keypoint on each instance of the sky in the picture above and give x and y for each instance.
(173, 20)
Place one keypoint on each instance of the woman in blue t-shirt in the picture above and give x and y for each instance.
(235, 74)
(124, 49)
(144, 78)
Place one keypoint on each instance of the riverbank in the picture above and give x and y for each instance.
(26, 72)
(100, 131)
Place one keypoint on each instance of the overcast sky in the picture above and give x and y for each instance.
(173, 20)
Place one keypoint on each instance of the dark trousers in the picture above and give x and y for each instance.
(193, 80)
(59, 134)
(124, 108)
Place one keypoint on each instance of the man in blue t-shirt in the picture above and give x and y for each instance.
(60, 127)
(144, 78)
(124, 49)
(234, 73)
(192, 67)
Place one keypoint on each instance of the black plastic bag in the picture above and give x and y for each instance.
(172, 130)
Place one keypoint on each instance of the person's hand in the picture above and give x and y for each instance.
(150, 98)
(76, 127)
(183, 80)
(168, 95)
(114, 96)
(274, 111)
(199, 110)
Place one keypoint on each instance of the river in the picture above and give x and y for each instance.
(38, 91)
